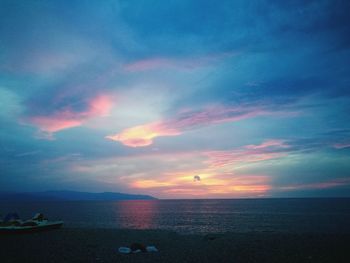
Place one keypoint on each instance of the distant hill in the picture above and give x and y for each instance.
(71, 196)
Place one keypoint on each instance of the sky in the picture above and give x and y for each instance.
(176, 99)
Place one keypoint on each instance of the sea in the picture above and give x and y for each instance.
(299, 215)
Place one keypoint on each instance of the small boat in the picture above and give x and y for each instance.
(36, 224)
(40, 226)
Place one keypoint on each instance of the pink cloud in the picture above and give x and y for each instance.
(267, 144)
(178, 63)
(214, 115)
(100, 106)
(143, 135)
(149, 64)
(60, 121)
(247, 154)
(341, 145)
(68, 118)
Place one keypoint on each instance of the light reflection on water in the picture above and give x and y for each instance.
(198, 216)
(136, 215)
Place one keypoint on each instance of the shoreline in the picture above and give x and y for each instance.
(101, 245)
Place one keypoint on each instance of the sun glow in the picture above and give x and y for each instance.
(210, 184)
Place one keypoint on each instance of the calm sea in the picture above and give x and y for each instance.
(198, 216)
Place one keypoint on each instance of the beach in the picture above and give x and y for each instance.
(101, 245)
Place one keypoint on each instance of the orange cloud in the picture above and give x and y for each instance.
(180, 185)
(68, 118)
(151, 184)
(170, 175)
(142, 135)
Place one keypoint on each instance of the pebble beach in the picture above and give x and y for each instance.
(101, 245)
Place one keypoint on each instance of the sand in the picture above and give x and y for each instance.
(101, 245)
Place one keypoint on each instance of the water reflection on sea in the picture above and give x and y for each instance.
(139, 215)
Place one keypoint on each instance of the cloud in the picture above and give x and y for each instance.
(341, 145)
(156, 63)
(268, 144)
(10, 103)
(268, 150)
(100, 106)
(244, 171)
(67, 117)
(318, 185)
(25, 154)
(176, 63)
(143, 135)
(171, 175)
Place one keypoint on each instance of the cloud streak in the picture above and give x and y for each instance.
(338, 182)
(268, 150)
(143, 135)
(176, 63)
(66, 118)
(341, 145)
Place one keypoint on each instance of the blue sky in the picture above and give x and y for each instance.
(177, 99)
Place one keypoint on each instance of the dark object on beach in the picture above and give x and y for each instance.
(211, 237)
(138, 246)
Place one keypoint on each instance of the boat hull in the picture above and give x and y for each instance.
(30, 229)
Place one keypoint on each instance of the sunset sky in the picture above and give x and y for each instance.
(176, 99)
